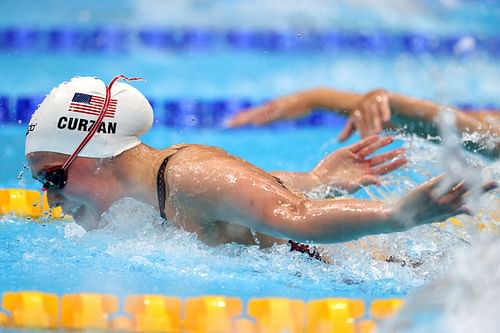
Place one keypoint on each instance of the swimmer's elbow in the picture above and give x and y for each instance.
(288, 220)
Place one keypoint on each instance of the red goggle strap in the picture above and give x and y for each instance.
(99, 120)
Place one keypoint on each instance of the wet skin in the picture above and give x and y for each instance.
(222, 198)
(370, 113)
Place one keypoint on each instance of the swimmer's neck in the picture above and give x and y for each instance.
(135, 170)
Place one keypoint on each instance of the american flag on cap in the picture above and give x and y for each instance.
(90, 104)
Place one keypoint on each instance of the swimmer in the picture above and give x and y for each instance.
(372, 112)
(82, 144)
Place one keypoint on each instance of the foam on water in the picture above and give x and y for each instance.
(467, 297)
(135, 237)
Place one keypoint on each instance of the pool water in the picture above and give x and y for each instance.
(134, 255)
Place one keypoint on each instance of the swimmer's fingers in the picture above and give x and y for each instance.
(369, 180)
(356, 147)
(258, 115)
(452, 197)
(379, 159)
(455, 196)
(385, 109)
(489, 186)
(381, 142)
(365, 120)
(459, 190)
(463, 210)
(358, 119)
(274, 110)
(430, 185)
(389, 167)
(347, 131)
(376, 118)
(242, 118)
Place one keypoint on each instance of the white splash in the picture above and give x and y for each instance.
(466, 299)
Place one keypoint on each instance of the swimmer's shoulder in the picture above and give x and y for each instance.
(179, 149)
(191, 148)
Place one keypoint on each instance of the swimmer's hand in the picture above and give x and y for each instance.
(287, 107)
(350, 168)
(427, 203)
(370, 115)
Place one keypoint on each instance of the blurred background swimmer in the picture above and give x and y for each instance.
(204, 189)
(376, 110)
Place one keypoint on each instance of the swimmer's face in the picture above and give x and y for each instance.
(87, 193)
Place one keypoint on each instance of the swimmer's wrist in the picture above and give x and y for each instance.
(315, 178)
(311, 98)
(398, 218)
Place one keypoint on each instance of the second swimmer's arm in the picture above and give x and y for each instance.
(408, 108)
(402, 110)
(297, 105)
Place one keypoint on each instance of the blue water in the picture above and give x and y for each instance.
(134, 255)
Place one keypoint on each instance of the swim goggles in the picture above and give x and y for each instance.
(56, 177)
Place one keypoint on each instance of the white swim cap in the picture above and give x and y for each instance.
(66, 114)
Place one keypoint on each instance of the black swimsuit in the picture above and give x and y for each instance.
(161, 189)
(161, 186)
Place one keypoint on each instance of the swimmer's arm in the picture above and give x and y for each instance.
(297, 105)
(302, 181)
(332, 99)
(203, 192)
(408, 110)
(420, 117)
(489, 116)
(417, 114)
(260, 203)
(328, 221)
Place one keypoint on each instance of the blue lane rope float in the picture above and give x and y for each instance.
(190, 112)
(115, 39)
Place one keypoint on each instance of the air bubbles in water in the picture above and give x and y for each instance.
(20, 177)
(466, 299)
(453, 161)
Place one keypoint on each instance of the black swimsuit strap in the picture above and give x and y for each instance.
(161, 188)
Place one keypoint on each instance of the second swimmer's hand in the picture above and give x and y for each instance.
(427, 203)
(286, 107)
(369, 116)
(350, 168)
